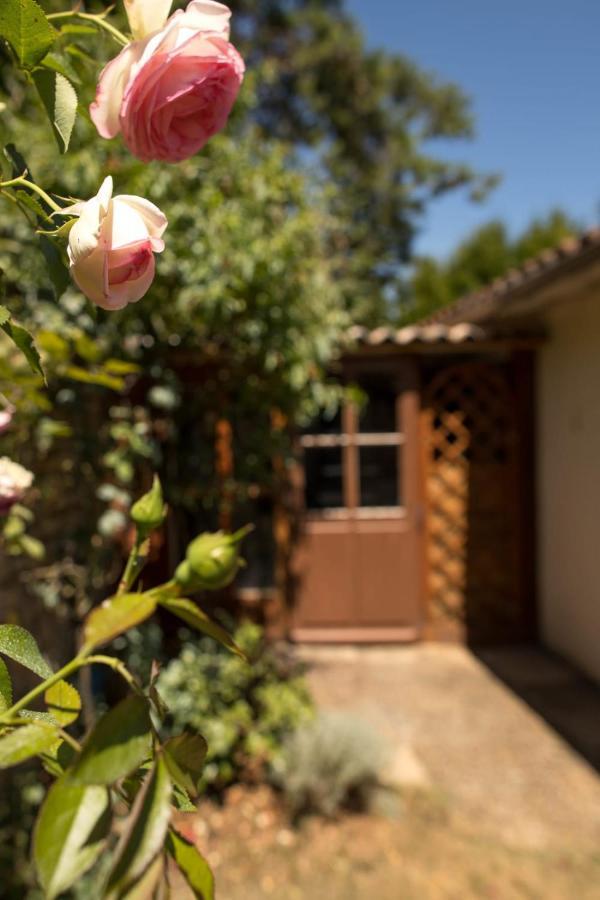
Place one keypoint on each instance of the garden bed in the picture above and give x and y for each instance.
(416, 846)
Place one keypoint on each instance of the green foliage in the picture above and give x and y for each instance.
(244, 711)
(486, 254)
(119, 743)
(6, 691)
(193, 867)
(116, 615)
(63, 702)
(25, 27)
(70, 834)
(330, 764)
(22, 339)
(60, 101)
(145, 831)
(192, 615)
(26, 741)
(184, 756)
(20, 646)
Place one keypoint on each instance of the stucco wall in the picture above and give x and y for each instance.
(568, 488)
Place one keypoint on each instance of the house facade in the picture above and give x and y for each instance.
(462, 501)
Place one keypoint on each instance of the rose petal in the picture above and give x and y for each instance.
(111, 87)
(147, 16)
(154, 219)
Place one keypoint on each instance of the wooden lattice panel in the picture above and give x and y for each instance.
(470, 466)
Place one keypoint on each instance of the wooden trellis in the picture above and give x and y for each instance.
(471, 477)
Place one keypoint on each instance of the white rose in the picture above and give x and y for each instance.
(112, 247)
(14, 481)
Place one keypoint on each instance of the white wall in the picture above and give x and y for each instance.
(568, 488)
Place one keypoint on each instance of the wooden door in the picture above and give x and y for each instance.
(358, 567)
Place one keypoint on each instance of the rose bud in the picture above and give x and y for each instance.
(149, 511)
(112, 247)
(173, 88)
(14, 481)
(212, 561)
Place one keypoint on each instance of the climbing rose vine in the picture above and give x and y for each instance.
(167, 92)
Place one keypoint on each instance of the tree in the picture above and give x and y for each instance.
(368, 121)
(486, 254)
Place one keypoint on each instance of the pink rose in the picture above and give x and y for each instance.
(6, 417)
(14, 481)
(112, 247)
(173, 88)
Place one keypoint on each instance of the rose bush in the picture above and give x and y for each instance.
(173, 88)
(112, 246)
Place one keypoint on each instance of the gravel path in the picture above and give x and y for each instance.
(452, 724)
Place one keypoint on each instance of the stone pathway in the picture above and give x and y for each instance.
(455, 728)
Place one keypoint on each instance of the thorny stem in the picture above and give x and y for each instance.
(81, 660)
(117, 666)
(135, 565)
(63, 673)
(69, 739)
(21, 180)
(98, 20)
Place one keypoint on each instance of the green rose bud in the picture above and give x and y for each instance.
(212, 561)
(184, 576)
(149, 511)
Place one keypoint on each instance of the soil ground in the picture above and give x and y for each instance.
(488, 801)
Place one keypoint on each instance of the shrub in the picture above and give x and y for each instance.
(330, 764)
(246, 712)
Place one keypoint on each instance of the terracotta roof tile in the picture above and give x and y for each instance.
(485, 300)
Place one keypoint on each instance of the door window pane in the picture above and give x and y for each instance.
(326, 423)
(378, 416)
(379, 476)
(324, 482)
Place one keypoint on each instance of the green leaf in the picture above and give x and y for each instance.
(116, 615)
(62, 64)
(30, 203)
(20, 646)
(69, 834)
(4, 315)
(63, 702)
(58, 758)
(60, 101)
(148, 883)
(118, 744)
(94, 377)
(35, 715)
(145, 831)
(192, 865)
(25, 27)
(32, 547)
(17, 162)
(121, 367)
(194, 616)
(6, 691)
(184, 756)
(58, 270)
(25, 343)
(24, 742)
(181, 800)
(78, 29)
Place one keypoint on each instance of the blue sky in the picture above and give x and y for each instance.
(532, 70)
